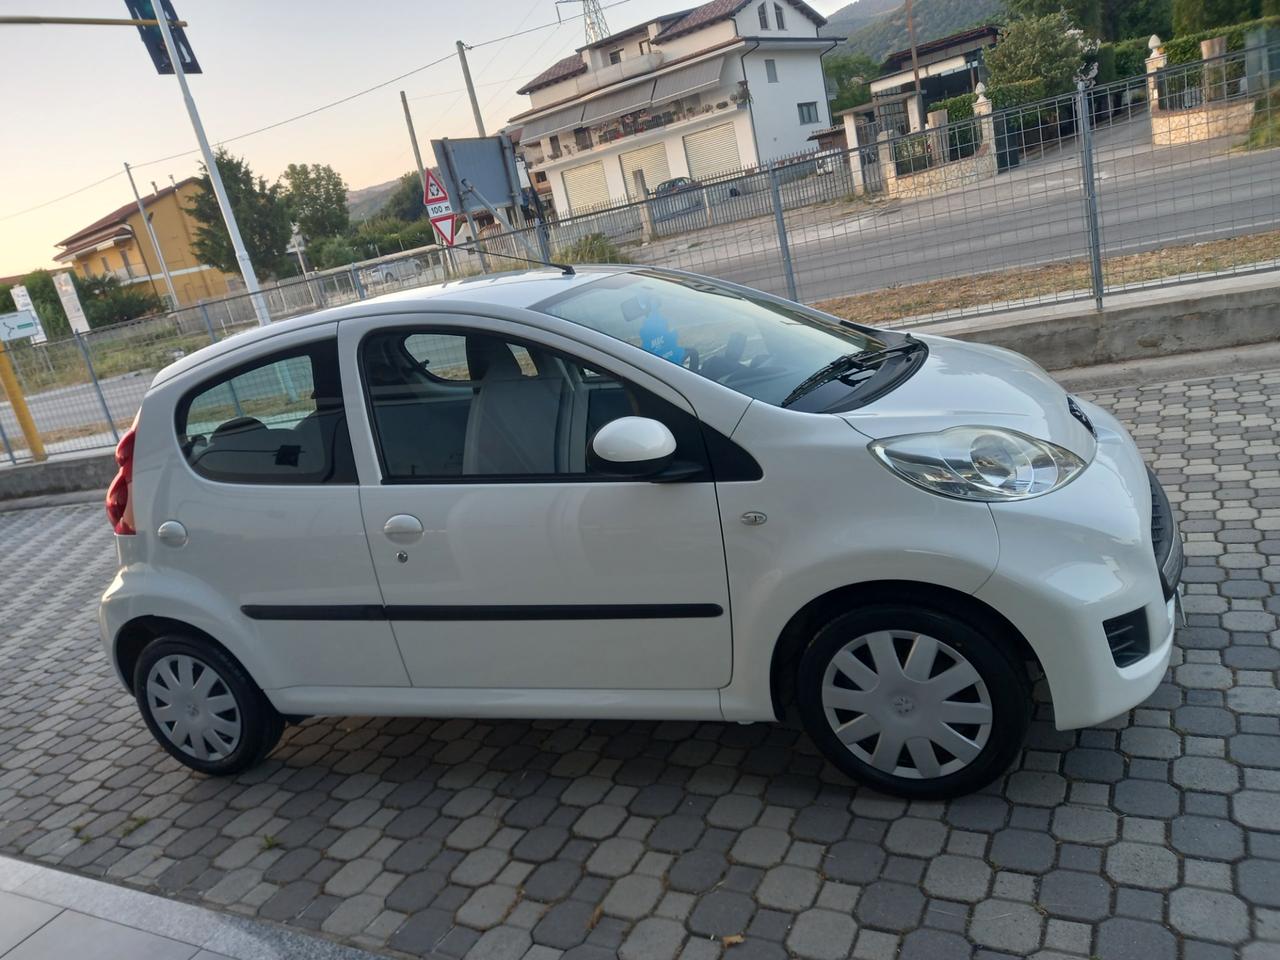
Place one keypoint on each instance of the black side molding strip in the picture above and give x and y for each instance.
(420, 612)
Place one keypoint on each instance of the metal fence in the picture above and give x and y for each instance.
(1149, 181)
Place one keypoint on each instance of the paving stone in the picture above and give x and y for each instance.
(1209, 915)
(501, 943)
(822, 935)
(853, 861)
(1208, 837)
(487, 906)
(957, 878)
(1124, 939)
(1027, 850)
(633, 897)
(1075, 895)
(929, 944)
(789, 888)
(1259, 881)
(721, 913)
(653, 939)
(615, 857)
(886, 905)
(1142, 865)
(565, 925)
(697, 871)
(760, 846)
(1005, 925)
(915, 837)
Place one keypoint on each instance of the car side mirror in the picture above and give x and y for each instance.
(635, 447)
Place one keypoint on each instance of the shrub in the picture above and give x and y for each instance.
(1264, 130)
(1186, 48)
(593, 248)
(958, 108)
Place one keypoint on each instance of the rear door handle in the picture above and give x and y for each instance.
(403, 528)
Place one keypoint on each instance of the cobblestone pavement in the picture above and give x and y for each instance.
(1154, 837)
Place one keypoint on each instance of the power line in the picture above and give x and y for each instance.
(308, 113)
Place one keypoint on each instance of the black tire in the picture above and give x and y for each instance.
(260, 726)
(1007, 690)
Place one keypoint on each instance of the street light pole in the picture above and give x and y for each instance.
(155, 243)
(915, 61)
(215, 178)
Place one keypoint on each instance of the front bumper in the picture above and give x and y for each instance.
(1089, 575)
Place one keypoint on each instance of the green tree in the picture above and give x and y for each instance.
(317, 198)
(107, 301)
(851, 74)
(1193, 16)
(406, 202)
(1088, 14)
(1048, 48)
(261, 212)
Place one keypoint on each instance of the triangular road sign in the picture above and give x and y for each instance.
(446, 226)
(434, 191)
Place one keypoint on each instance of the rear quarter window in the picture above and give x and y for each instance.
(276, 419)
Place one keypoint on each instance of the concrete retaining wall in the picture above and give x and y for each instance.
(92, 472)
(1134, 326)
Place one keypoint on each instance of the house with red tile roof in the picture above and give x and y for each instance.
(697, 93)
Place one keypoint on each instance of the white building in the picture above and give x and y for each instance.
(729, 84)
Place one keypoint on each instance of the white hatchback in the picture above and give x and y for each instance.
(632, 493)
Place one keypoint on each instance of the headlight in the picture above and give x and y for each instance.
(979, 463)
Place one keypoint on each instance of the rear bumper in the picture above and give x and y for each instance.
(1088, 575)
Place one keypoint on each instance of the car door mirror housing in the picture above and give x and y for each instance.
(632, 447)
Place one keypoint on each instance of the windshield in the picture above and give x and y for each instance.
(758, 348)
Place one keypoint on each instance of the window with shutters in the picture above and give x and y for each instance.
(615, 56)
(777, 15)
(808, 111)
(771, 70)
(762, 12)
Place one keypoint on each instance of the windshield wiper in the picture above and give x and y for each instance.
(850, 363)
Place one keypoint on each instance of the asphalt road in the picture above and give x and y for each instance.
(1149, 198)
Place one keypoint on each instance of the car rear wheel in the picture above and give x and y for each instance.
(202, 707)
(913, 701)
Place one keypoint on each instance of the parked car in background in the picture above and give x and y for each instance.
(677, 197)
(393, 271)
(633, 493)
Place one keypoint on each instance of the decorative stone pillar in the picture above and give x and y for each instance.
(1155, 63)
(854, 156)
(986, 125)
(888, 169)
(937, 126)
(1212, 52)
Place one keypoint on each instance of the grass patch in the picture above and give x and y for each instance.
(1029, 283)
(1264, 128)
(593, 248)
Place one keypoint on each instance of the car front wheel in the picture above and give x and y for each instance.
(913, 701)
(202, 707)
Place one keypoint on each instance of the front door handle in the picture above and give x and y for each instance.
(403, 528)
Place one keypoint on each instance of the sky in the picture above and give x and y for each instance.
(78, 102)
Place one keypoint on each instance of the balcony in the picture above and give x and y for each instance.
(587, 140)
(614, 72)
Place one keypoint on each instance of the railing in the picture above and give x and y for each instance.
(1076, 197)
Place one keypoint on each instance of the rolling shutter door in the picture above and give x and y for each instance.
(586, 187)
(712, 151)
(652, 160)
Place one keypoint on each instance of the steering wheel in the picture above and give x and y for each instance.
(692, 360)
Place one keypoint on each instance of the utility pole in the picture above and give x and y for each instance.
(215, 178)
(155, 242)
(915, 61)
(413, 142)
(471, 90)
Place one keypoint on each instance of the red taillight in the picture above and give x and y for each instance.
(119, 509)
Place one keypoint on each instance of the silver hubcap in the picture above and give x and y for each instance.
(194, 708)
(907, 704)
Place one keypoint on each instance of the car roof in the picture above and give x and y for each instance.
(517, 288)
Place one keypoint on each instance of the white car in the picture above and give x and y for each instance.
(632, 493)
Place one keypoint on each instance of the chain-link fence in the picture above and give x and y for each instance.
(1156, 179)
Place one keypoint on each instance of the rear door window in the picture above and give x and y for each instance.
(279, 419)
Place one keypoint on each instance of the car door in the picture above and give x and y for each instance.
(268, 504)
(504, 560)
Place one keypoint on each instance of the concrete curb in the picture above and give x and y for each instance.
(65, 475)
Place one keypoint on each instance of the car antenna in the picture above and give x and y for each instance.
(564, 268)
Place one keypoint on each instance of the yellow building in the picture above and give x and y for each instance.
(118, 244)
